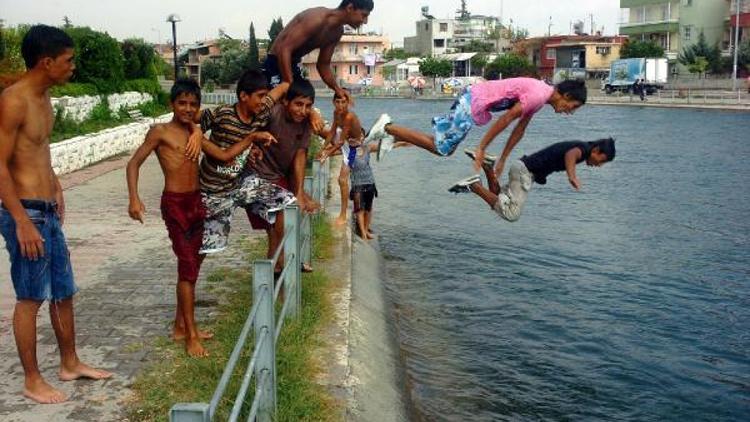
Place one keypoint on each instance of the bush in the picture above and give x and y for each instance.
(140, 59)
(74, 90)
(99, 59)
(153, 109)
(149, 86)
(509, 66)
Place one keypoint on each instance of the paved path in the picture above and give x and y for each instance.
(126, 273)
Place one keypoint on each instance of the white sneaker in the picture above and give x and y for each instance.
(488, 162)
(377, 131)
(463, 186)
(385, 146)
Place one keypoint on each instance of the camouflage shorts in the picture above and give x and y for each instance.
(257, 195)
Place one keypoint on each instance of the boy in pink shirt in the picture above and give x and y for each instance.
(520, 98)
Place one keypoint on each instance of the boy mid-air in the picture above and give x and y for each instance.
(508, 200)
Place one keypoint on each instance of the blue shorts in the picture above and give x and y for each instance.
(450, 130)
(49, 277)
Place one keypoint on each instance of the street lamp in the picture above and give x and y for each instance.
(736, 45)
(174, 18)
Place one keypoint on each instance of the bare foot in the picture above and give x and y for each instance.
(81, 370)
(195, 349)
(179, 335)
(43, 393)
(369, 236)
(340, 220)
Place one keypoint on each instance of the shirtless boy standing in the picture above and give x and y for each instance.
(33, 211)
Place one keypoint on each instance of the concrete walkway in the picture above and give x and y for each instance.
(127, 274)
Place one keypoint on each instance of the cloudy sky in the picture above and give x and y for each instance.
(201, 19)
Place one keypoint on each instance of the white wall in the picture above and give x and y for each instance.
(79, 108)
(76, 153)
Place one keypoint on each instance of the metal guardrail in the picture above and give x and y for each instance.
(262, 319)
(680, 97)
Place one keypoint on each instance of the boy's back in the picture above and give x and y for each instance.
(309, 30)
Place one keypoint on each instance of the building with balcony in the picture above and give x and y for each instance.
(581, 56)
(674, 24)
(435, 37)
(198, 54)
(357, 60)
(727, 44)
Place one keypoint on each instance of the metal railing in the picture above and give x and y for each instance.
(679, 97)
(262, 319)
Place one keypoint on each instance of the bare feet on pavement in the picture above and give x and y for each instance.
(43, 393)
(340, 220)
(81, 370)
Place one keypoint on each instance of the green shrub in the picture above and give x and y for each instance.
(99, 59)
(153, 109)
(139, 58)
(74, 90)
(149, 86)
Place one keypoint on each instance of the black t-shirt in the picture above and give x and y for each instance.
(552, 159)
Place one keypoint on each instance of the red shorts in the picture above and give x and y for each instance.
(259, 223)
(183, 214)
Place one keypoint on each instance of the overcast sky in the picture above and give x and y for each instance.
(201, 19)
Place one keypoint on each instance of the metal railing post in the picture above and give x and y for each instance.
(265, 326)
(316, 180)
(306, 232)
(291, 280)
(189, 412)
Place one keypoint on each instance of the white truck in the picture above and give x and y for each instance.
(624, 72)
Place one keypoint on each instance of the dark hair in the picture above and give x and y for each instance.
(250, 81)
(300, 88)
(358, 4)
(574, 88)
(606, 146)
(185, 86)
(336, 95)
(43, 41)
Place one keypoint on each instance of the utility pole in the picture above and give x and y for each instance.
(736, 45)
(549, 27)
(591, 15)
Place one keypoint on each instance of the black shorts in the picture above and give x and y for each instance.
(273, 72)
(363, 197)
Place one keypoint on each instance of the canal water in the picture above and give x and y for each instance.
(629, 300)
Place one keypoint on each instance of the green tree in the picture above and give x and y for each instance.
(388, 72)
(639, 49)
(140, 59)
(743, 56)
(210, 71)
(395, 54)
(699, 66)
(509, 66)
(2, 43)
(253, 55)
(463, 13)
(12, 61)
(99, 59)
(478, 47)
(478, 63)
(276, 27)
(67, 23)
(691, 53)
(435, 68)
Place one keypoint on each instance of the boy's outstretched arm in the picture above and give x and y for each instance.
(136, 209)
(571, 159)
(230, 153)
(498, 127)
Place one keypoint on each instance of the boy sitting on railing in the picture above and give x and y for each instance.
(181, 205)
(508, 200)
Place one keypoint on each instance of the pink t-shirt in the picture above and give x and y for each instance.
(533, 94)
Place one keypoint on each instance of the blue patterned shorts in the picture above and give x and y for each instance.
(450, 130)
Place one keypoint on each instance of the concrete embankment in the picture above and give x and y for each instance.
(362, 361)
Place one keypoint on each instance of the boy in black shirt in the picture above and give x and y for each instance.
(508, 200)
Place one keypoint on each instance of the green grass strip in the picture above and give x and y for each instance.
(174, 377)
